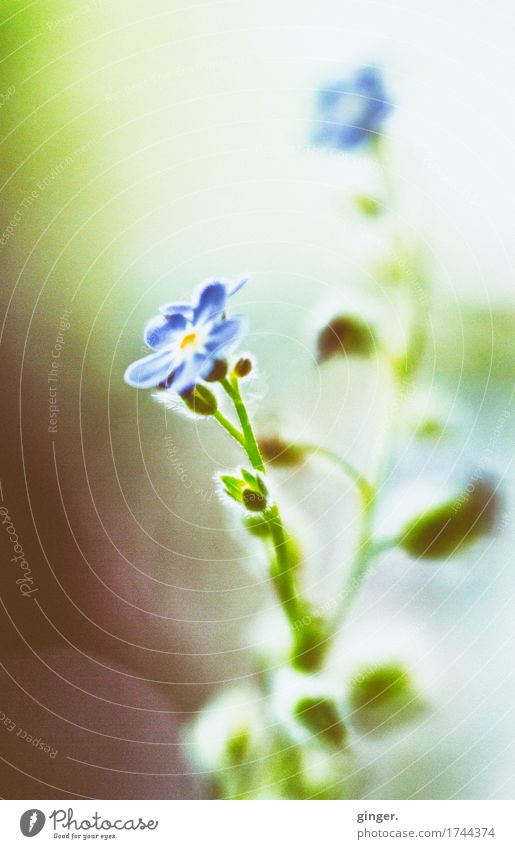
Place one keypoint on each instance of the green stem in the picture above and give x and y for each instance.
(366, 549)
(413, 277)
(382, 545)
(306, 629)
(359, 568)
(229, 427)
(280, 571)
(362, 484)
(250, 443)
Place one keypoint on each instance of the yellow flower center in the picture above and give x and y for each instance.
(189, 339)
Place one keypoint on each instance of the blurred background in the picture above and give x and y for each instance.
(146, 147)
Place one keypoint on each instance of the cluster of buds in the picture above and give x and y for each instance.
(249, 490)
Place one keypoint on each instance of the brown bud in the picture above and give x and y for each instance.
(254, 501)
(218, 372)
(279, 453)
(243, 367)
(345, 335)
(200, 400)
(454, 524)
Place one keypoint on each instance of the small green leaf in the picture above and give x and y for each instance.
(233, 486)
(249, 478)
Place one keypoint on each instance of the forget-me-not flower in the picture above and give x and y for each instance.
(352, 112)
(188, 339)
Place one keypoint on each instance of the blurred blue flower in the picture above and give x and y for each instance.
(352, 112)
(188, 339)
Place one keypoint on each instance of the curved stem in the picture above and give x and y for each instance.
(413, 277)
(229, 427)
(348, 469)
(366, 548)
(364, 553)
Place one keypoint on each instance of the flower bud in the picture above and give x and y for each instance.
(451, 526)
(310, 643)
(345, 335)
(200, 400)
(383, 697)
(320, 716)
(229, 730)
(243, 367)
(238, 746)
(253, 501)
(218, 372)
(279, 453)
(368, 205)
(249, 490)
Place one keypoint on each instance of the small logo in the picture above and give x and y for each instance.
(31, 822)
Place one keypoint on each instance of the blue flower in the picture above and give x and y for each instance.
(187, 339)
(353, 111)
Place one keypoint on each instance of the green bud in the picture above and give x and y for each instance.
(311, 640)
(218, 372)
(279, 453)
(200, 400)
(345, 335)
(383, 697)
(430, 429)
(249, 490)
(238, 746)
(368, 205)
(243, 367)
(320, 715)
(453, 525)
(254, 501)
(256, 526)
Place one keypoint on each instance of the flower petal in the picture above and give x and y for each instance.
(190, 372)
(232, 288)
(172, 308)
(211, 303)
(225, 335)
(150, 371)
(162, 330)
